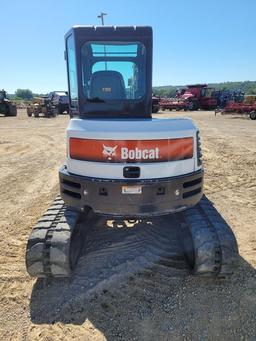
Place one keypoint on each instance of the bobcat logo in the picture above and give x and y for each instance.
(109, 152)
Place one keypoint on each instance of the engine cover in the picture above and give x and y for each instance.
(160, 147)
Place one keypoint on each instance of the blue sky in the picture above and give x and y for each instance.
(194, 40)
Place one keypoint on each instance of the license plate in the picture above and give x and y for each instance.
(131, 189)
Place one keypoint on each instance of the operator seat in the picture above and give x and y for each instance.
(107, 85)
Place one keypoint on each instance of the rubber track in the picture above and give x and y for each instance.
(48, 247)
(209, 245)
(215, 252)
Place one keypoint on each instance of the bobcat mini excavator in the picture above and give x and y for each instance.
(121, 162)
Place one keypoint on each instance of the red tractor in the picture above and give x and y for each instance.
(199, 96)
(194, 97)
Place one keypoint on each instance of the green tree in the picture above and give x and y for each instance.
(25, 94)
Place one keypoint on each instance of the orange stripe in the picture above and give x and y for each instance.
(122, 151)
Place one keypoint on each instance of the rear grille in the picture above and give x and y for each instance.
(71, 183)
(71, 194)
(191, 193)
(192, 183)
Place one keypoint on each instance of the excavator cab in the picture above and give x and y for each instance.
(2, 95)
(110, 71)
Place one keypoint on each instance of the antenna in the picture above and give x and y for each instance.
(101, 16)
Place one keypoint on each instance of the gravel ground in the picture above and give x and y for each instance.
(120, 290)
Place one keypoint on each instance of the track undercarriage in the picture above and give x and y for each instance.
(198, 240)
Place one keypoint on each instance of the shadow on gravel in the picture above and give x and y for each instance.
(244, 117)
(132, 283)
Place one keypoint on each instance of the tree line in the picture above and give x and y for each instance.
(24, 94)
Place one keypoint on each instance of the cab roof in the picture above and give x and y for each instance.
(129, 32)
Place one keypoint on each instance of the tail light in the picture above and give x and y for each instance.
(199, 151)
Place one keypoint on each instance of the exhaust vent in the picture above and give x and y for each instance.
(72, 194)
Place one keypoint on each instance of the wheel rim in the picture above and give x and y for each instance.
(253, 115)
(191, 106)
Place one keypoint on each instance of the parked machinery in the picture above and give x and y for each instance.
(59, 101)
(225, 96)
(194, 97)
(6, 106)
(235, 101)
(249, 99)
(173, 104)
(155, 104)
(41, 106)
(233, 107)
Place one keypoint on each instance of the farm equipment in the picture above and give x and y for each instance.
(155, 104)
(233, 107)
(249, 99)
(194, 97)
(124, 164)
(225, 96)
(59, 101)
(41, 105)
(6, 106)
(174, 104)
